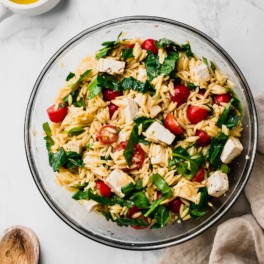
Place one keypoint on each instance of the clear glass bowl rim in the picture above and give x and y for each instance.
(106, 240)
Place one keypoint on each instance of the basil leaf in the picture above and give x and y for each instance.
(80, 79)
(191, 86)
(127, 53)
(74, 96)
(161, 185)
(225, 168)
(94, 89)
(152, 65)
(214, 152)
(162, 215)
(70, 75)
(132, 141)
(80, 195)
(140, 200)
(99, 199)
(47, 129)
(205, 61)
(127, 189)
(131, 83)
(74, 131)
(59, 159)
(169, 64)
(146, 122)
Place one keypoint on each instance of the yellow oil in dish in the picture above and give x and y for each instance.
(24, 2)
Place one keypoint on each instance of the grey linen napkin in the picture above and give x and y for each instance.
(238, 237)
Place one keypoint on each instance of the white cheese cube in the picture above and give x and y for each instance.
(154, 110)
(140, 99)
(73, 146)
(217, 184)
(131, 109)
(231, 150)
(157, 153)
(111, 66)
(116, 180)
(202, 72)
(90, 205)
(142, 75)
(160, 132)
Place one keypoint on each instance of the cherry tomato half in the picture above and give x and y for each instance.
(202, 92)
(134, 210)
(171, 123)
(104, 190)
(199, 176)
(149, 44)
(159, 194)
(129, 46)
(203, 139)
(137, 159)
(196, 114)
(175, 205)
(110, 94)
(181, 94)
(112, 108)
(57, 115)
(107, 134)
(222, 98)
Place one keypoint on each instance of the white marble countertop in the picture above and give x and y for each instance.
(26, 44)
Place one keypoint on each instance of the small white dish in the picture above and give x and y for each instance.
(8, 8)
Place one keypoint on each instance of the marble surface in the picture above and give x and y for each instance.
(26, 44)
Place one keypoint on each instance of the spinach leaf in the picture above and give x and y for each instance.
(59, 159)
(197, 210)
(140, 200)
(127, 189)
(225, 168)
(162, 215)
(169, 64)
(154, 205)
(132, 141)
(99, 199)
(81, 186)
(70, 75)
(139, 186)
(213, 66)
(132, 222)
(161, 185)
(146, 122)
(74, 96)
(94, 88)
(187, 48)
(225, 114)
(196, 214)
(205, 61)
(107, 215)
(131, 83)
(80, 103)
(80, 195)
(145, 142)
(89, 146)
(74, 162)
(127, 53)
(123, 202)
(74, 131)
(165, 42)
(191, 86)
(152, 65)
(80, 79)
(214, 152)
(49, 141)
(47, 129)
(108, 81)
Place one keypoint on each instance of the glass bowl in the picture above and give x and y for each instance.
(52, 78)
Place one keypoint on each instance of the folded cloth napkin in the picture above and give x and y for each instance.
(238, 237)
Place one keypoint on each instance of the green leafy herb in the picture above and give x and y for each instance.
(225, 168)
(123, 202)
(169, 64)
(187, 48)
(80, 79)
(107, 215)
(49, 141)
(161, 185)
(205, 61)
(132, 141)
(74, 131)
(213, 66)
(140, 200)
(94, 88)
(146, 122)
(74, 96)
(129, 188)
(80, 195)
(127, 53)
(145, 142)
(81, 186)
(214, 152)
(99, 199)
(59, 159)
(61, 105)
(197, 210)
(47, 129)
(191, 86)
(162, 216)
(70, 75)
(152, 65)
(80, 103)
(89, 146)
(131, 83)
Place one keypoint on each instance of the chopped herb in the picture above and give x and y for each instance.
(99, 199)
(142, 87)
(162, 216)
(152, 65)
(205, 61)
(197, 210)
(129, 188)
(169, 63)
(74, 131)
(80, 195)
(80, 103)
(89, 146)
(161, 185)
(74, 96)
(127, 53)
(70, 75)
(213, 66)
(146, 122)
(140, 200)
(80, 79)
(123, 202)
(225, 168)
(191, 86)
(61, 105)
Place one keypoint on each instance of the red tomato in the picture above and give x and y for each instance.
(107, 134)
(137, 159)
(159, 194)
(110, 94)
(112, 109)
(181, 94)
(149, 44)
(129, 46)
(57, 115)
(222, 98)
(104, 190)
(202, 92)
(171, 123)
(134, 210)
(196, 114)
(199, 176)
(175, 205)
(203, 139)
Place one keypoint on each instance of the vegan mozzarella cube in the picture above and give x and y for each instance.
(116, 180)
(202, 72)
(217, 184)
(140, 99)
(232, 149)
(73, 146)
(157, 153)
(154, 110)
(111, 66)
(160, 132)
(131, 109)
(142, 74)
(90, 205)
